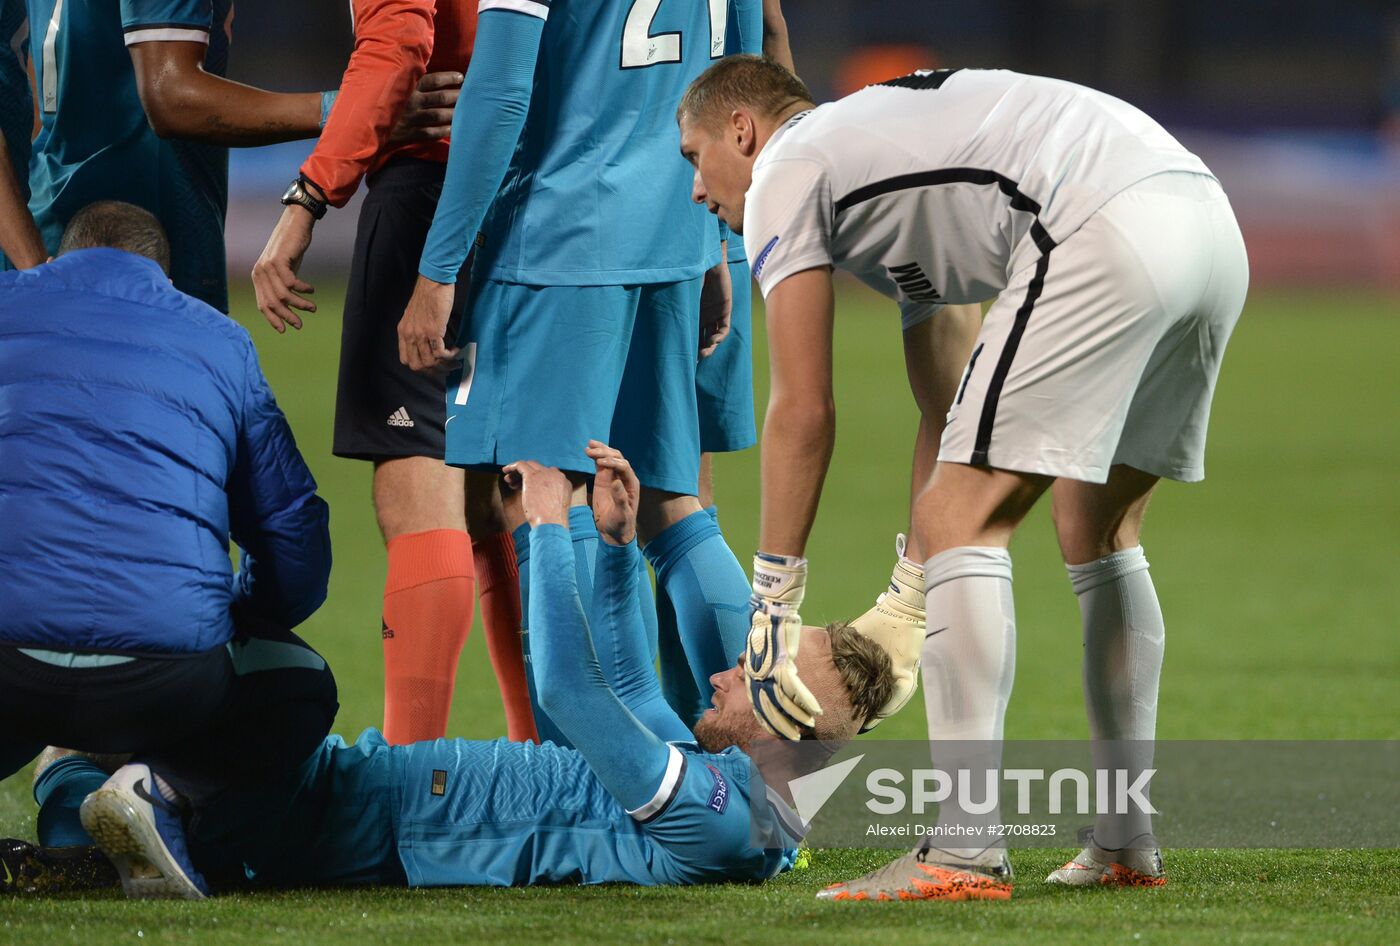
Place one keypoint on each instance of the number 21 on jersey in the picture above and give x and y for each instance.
(641, 49)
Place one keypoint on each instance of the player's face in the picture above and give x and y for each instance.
(723, 172)
(730, 720)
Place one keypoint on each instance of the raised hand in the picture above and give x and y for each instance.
(545, 493)
(428, 114)
(896, 623)
(615, 494)
(780, 699)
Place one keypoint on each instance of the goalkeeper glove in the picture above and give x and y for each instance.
(781, 701)
(896, 623)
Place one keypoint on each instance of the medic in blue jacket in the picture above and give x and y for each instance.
(137, 435)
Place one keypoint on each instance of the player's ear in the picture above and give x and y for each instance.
(742, 131)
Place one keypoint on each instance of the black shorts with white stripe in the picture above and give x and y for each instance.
(382, 409)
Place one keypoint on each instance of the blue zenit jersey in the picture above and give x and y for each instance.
(508, 813)
(16, 104)
(597, 192)
(458, 813)
(96, 144)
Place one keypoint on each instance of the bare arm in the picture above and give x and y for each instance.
(183, 101)
(19, 238)
(800, 429)
(935, 353)
(775, 34)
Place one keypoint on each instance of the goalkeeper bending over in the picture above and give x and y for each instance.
(641, 799)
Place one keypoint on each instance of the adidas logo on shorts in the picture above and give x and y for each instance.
(400, 418)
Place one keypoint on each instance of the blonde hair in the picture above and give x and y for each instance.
(754, 81)
(866, 672)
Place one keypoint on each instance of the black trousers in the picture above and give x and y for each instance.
(227, 718)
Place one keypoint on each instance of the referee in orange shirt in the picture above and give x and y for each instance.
(404, 50)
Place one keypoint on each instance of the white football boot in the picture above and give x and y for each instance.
(144, 837)
(927, 873)
(1131, 866)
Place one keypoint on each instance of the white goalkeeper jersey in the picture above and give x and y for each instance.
(935, 187)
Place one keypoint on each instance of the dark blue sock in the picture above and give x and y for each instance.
(709, 595)
(60, 791)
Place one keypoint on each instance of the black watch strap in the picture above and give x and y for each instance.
(298, 193)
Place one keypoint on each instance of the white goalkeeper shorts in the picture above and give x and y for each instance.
(1106, 350)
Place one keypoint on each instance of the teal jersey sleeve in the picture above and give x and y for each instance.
(498, 87)
(146, 21)
(626, 756)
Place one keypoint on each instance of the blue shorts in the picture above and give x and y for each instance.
(547, 368)
(724, 381)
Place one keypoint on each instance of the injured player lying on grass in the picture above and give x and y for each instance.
(641, 799)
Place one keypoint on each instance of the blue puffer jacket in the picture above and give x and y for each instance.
(137, 434)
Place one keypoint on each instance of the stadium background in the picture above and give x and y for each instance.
(1276, 575)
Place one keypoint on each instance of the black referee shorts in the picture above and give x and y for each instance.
(382, 409)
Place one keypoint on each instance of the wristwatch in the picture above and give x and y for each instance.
(298, 193)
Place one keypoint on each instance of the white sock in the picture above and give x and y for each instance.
(969, 663)
(1124, 639)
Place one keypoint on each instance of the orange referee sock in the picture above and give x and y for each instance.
(427, 614)
(500, 612)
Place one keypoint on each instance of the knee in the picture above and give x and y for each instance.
(658, 510)
(1077, 542)
(1084, 538)
(398, 517)
(968, 506)
(417, 494)
(485, 508)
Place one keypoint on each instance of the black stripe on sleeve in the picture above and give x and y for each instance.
(1019, 201)
(141, 27)
(675, 790)
(922, 79)
(1003, 368)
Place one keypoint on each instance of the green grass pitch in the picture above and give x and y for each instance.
(1276, 576)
